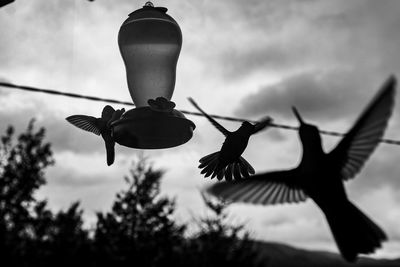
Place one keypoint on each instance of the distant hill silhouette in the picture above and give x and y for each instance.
(281, 255)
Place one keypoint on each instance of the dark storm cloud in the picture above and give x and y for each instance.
(329, 95)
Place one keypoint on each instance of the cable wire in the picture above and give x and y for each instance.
(227, 118)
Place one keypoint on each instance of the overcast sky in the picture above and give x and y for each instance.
(239, 58)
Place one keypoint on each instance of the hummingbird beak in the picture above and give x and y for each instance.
(297, 114)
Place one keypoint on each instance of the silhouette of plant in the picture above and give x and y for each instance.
(219, 242)
(22, 165)
(139, 229)
(30, 234)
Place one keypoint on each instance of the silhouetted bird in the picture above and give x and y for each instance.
(100, 126)
(228, 161)
(320, 176)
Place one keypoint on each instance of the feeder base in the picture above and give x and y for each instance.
(145, 128)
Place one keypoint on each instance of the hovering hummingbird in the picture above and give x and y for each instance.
(228, 161)
(100, 126)
(320, 176)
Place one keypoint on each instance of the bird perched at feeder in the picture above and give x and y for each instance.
(228, 161)
(100, 126)
(320, 176)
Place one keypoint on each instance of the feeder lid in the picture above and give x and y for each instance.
(150, 12)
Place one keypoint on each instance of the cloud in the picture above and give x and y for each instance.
(381, 170)
(326, 57)
(85, 178)
(72, 178)
(264, 37)
(330, 99)
(59, 132)
(317, 95)
(33, 38)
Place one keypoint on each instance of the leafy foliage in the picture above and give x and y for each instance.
(30, 234)
(220, 243)
(138, 230)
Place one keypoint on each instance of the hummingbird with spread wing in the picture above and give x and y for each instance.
(228, 162)
(320, 176)
(100, 126)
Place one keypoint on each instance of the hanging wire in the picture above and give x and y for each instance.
(107, 100)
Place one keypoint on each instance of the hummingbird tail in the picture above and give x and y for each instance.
(209, 163)
(212, 166)
(110, 152)
(353, 231)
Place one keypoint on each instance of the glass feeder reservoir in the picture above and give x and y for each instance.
(150, 42)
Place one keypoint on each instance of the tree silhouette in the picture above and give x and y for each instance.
(220, 243)
(60, 238)
(30, 234)
(22, 165)
(139, 229)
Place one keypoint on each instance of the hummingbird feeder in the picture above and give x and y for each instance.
(150, 42)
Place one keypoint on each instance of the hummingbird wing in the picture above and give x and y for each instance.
(362, 139)
(107, 113)
(265, 188)
(264, 122)
(213, 122)
(87, 123)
